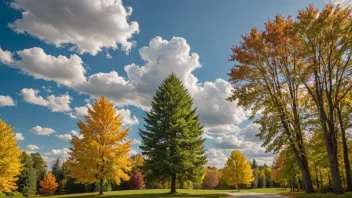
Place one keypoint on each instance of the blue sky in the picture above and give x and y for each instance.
(56, 57)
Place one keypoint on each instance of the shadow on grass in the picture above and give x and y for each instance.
(160, 195)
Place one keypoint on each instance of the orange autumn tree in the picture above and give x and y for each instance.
(48, 185)
(10, 164)
(102, 153)
(265, 81)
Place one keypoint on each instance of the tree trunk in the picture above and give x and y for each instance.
(173, 183)
(321, 178)
(329, 179)
(316, 175)
(303, 166)
(101, 190)
(345, 152)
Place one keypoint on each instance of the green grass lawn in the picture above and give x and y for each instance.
(165, 193)
(317, 195)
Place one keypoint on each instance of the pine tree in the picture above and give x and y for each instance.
(48, 185)
(58, 172)
(102, 153)
(254, 164)
(172, 139)
(27, 183)
(39, 165)
(10, 156)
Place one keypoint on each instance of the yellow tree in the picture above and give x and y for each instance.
(10, 164)
(238, 170)
(102, 153)
(48, 185)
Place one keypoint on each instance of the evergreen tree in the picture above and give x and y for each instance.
(254, 164)
(40, 166)
(172, 139)
(58, 172)
(27, 182)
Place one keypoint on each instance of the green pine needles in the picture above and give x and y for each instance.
(172, 140)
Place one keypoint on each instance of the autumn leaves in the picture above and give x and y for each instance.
(297, 75)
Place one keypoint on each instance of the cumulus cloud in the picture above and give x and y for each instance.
(68, 136)
(216, 157)
(38, 130)
(32, 147)
(58, 153)
(161, 58)
(249, 133)
(103, 23)
(19, 137)
(54, 103)
(6, 57)
(136, 141)
(133, 152)
(6, 101)
(343, 3)
(60, 69)
(79, 112)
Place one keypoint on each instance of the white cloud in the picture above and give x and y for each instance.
(161, 58)
(343, 3)
(32, 147)
(229, 142)
(42, 131)
(62, 70)
(216, 157)
(206, 136)
(19, 137)
(79, 112)
(60, 153)
(68, 136)
(249, 133)
(6, 101)
(126, 117)
(135, 141)
(133, 152)
(65, 137)
(6, 57)
(87, 25)
(54, 103)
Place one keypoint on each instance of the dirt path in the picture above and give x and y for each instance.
(254, 195)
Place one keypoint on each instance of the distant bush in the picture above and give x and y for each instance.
(11, 195)
(326, 189)
(197, 186)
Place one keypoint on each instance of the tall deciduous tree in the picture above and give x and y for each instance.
(27, 182)
(48, 185)
(172, 139)
(237, 170)
(326, 39)
(102, 153)
(266, 80)
(10, 164)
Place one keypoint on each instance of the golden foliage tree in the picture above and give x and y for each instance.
(102, 153)
(10, 164)
(48, 185)
(237, 170)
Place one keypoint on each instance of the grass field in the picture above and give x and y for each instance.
(317, 195)
(165, 193)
